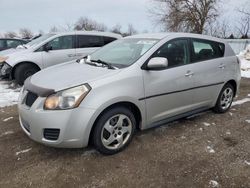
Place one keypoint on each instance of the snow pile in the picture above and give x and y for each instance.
(8, 94)
(245, 62)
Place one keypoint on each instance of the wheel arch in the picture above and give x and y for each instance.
(12, 74)
(130, 105)
(234, 84)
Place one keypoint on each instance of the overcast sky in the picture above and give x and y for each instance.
(43, 14)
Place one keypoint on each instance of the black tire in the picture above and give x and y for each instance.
(218, 107)
(99, 129)
(23, 71)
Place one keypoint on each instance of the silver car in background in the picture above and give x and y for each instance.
(48, 50)
(138, 82)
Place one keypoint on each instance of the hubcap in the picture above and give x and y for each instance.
(116, 131)
(226, 98)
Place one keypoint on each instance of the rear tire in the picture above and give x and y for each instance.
(114, 130)
(23, 71)
(225, 99)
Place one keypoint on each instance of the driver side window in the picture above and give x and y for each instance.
(60, 43)
(176, 51)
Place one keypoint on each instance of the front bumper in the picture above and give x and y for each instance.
(74, 125)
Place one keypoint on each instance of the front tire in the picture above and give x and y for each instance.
(225, 99)
(114, 130)
(23, 71)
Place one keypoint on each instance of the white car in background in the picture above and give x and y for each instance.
(50, 49)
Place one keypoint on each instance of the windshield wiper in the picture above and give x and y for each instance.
(103, 63)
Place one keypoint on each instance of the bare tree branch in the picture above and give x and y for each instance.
(185, 15)
(87, 24)
(25, 33)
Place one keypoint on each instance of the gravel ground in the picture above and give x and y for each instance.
(207, 150)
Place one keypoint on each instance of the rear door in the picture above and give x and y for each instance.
(209, 70)
(168, 92)
(62, 50)
(87, 44)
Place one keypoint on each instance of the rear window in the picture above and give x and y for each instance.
(206, 50)
(85, 41)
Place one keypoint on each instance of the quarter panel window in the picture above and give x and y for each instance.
(85, 41)
(63, 42)
(107, 40)
(206, 50)
(176, 51)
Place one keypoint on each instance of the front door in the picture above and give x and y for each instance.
(62, 49)
(169, 92)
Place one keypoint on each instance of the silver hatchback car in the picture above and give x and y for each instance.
(133, 83)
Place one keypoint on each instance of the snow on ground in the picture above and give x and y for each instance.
(206, 124)
(213, 183)
(210, 149)
(8, 94)
(7, 119)
(23, 151)
(242, 101)
(6, 133)
(248, 163)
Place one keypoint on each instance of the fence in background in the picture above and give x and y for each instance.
(238, 45)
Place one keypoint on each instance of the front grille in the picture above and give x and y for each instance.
(51, 134)
(30, 99)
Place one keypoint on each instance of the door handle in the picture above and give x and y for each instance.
(222, 66)
(189, 74)
(71, 55)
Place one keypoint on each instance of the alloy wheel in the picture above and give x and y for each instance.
(116, 131)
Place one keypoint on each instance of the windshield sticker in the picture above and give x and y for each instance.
(146, 42)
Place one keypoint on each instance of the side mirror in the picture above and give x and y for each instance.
(47, 48)
(157, 63)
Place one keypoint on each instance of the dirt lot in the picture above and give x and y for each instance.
(208, 150)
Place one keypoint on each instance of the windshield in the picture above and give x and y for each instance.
(124, 52)
(39, 40)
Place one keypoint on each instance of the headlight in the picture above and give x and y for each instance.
(67, 99)
(3, 59)
(6, 69)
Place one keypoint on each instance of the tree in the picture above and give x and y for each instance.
(87, 24)
(53, 29)
(131, 30)
(117, 29)
(25, 33)
(244, 23)
(218, 29)
(244, 27)
(10, 34)
(231, 36)
(185, 15)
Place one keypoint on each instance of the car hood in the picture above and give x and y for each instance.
(65, 76)
(12, 51)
